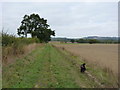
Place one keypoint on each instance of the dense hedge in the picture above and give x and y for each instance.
(10, 40)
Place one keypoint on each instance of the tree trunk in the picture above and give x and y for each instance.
(25, 33)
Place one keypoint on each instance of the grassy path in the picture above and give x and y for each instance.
(45, 67)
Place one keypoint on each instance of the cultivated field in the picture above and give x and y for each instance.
(104, 55)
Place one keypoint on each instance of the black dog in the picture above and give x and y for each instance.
(83, 68)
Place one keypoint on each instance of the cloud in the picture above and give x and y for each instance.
(60, 1)
(0, 17)
(67, 19)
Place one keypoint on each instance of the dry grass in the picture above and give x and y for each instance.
(103, 55)
(9, 54)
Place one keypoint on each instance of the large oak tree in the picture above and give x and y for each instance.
(36, 26)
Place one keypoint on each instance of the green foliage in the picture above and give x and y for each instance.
(91, 41)
(15, 46)
(35, 26)
(87, 41)
(7, 39)
(72, 40)
(109, 41)
(82, 41)
(11, 40)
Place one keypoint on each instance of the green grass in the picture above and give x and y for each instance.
(23, 73)
(46, 67)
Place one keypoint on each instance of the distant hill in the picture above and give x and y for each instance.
(101, 38)
(89, 37)
(104, 39)
(61, 39)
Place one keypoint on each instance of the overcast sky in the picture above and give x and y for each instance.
(68, 19)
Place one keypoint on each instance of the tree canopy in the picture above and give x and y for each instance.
(36, 26)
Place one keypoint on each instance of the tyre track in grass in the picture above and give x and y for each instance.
(53, 74)
(60, 71)
(46, 78)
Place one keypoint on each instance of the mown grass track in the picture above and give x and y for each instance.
(45, 67)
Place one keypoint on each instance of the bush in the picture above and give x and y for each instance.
(72, 40)
(11, 40)
(14, 45)
(91, 41)
(7, 39)
(82, 41)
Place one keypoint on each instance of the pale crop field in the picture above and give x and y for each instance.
(103, 55)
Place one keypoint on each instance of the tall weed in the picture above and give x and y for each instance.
(14, 46)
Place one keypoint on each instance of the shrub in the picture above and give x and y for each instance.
(91, 41)
(7, 39)
(11, 40)
(14, 44)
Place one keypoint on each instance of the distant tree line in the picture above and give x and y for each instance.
(91, 41)
(83, 40)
